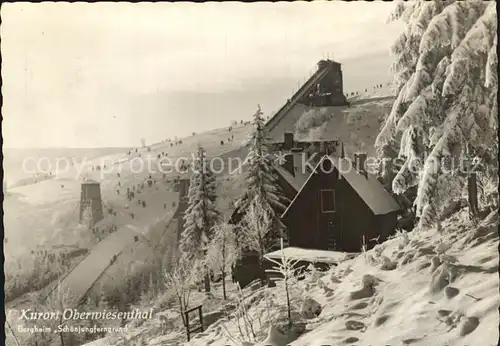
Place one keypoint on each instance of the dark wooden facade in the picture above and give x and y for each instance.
(330, 209)
(328, 214)
(308, 225)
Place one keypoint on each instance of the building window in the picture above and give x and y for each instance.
(327, 201)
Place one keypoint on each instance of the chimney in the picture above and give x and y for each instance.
(360, 162)
(322, 148)
(288, 143)
(288, 165)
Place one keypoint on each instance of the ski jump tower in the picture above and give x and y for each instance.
(91, 198)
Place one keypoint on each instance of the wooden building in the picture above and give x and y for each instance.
(339, 207)
(336, 204)
(332, 207)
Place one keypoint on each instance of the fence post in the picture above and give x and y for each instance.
(201, 319)
(199, 328)
(186, 313)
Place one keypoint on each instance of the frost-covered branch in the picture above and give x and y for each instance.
(222, 251)
(286, 270)
(181, 280)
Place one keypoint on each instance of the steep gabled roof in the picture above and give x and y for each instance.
(298, 179)
(369, 188)
(371, 191)
(295, 181)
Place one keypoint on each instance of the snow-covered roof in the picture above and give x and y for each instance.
(369, 188)
(371, 191)
(309, 255)
(297, 180)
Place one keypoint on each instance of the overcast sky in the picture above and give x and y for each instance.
(107, 74)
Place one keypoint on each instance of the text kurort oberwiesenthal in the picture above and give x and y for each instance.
(73, 314)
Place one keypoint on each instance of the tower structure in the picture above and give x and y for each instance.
(329, 89)
(90, 199)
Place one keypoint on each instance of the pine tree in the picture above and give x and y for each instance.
(261, 178)
(201, 214)
(445, 102)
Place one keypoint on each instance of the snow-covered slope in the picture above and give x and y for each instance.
(33, 212)
(41, 216)
(38, 213)
(356, 126)
(381, 90)
(421, 288)
(409, 302)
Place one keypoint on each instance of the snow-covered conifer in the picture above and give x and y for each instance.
(444, 82)
(201, 214)
(261, 178)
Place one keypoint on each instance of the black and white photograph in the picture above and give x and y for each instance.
(319, 173)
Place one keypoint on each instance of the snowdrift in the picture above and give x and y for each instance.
(419, 288)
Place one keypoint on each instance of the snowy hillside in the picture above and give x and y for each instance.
(381, 90)
(420, 288)
(357, 126)
(406, 257)
(51, 204)
(44, 216)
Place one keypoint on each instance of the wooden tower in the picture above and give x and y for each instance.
(91, 198)
(325, 87)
